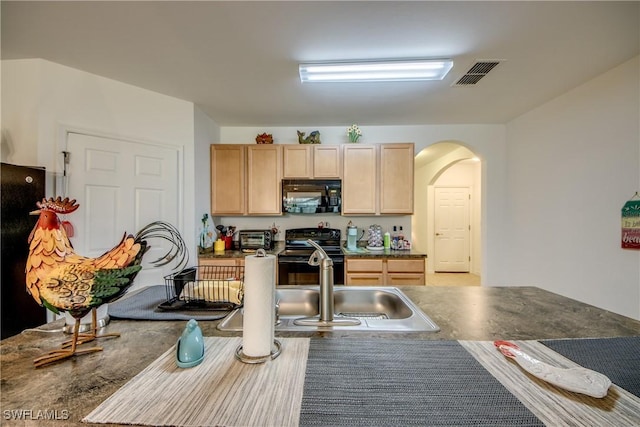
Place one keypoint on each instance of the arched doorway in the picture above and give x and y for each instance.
(445, 174)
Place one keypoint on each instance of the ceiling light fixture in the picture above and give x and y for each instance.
(375, 71)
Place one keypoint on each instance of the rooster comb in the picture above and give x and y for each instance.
(58, 205)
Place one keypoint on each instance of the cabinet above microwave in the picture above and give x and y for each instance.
(310, 196)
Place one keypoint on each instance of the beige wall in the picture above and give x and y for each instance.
(573, 163)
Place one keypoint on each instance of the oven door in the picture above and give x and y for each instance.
(295, 270)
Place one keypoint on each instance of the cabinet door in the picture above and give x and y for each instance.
(364, 265)
(359, 179)
(401, 279)
(404, 265)
(364, 272)
(396, 178)
(219, 268)
(327, 161)
(227, 179)
(297, 161)
(364, 279)
(264, 173)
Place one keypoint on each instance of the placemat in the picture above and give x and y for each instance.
(364, 382)
(221, 391)
(143, 305)
(614, 357)
(388, 382)
(553, 405)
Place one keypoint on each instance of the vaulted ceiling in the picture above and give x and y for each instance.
(238, 60)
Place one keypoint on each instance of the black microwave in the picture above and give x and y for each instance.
(310, 196)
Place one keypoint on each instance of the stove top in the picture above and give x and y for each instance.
(319, 235)
(296, 241)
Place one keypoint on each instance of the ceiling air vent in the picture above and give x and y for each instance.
(476, 72)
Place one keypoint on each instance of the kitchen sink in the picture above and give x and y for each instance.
(377, 308)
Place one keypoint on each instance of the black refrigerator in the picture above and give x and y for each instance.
(20, 188)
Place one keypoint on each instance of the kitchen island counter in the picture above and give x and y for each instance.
(71, 389)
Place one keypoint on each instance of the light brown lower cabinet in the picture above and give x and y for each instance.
(224, 266)
(384, 271)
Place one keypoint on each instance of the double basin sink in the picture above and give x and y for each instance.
(377, 308)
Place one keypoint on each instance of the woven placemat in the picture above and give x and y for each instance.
(221, 391)
(553, 405)
(388, 382)
(364, 382)
(614, 357)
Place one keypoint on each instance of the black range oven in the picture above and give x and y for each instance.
(293, 262)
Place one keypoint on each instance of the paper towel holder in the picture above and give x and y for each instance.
(276, 349)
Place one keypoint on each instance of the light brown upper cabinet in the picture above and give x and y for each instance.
(359, 179)
(228, 179)
(396, 179)
(377, 179)
(245, 179)
(264, 174)
(312, 161)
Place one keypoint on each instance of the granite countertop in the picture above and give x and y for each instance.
(361, 252)
(74, 387)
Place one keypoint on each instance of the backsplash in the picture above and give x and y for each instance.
(330, 220)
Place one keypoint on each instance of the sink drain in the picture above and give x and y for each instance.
(363, 315)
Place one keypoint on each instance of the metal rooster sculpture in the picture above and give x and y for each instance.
(62, 280)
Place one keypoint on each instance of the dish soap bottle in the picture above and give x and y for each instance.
(387, 240)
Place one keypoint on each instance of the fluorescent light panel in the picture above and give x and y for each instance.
(375, 71)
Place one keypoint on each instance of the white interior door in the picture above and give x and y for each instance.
(121, 186)
(452, 229)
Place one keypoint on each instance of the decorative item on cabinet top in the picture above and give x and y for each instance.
(354, 133)
(264, 138)
(313, 138)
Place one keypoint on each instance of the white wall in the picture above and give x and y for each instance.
(206, 132)
(573, 162)
(40, 99)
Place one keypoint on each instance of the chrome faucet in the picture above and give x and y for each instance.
(326, 318)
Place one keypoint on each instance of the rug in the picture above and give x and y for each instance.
(143, 305)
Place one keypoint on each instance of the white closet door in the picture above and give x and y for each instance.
(452, 229)
(121, 186)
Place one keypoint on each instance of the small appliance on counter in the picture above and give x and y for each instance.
(252, 240)
(352, 237)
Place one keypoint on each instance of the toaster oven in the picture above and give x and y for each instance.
(252, 240)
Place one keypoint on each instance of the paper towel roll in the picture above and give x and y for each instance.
(259, 305)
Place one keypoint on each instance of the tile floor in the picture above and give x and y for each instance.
(452, 279)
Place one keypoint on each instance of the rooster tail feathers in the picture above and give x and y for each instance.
(177, 250)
